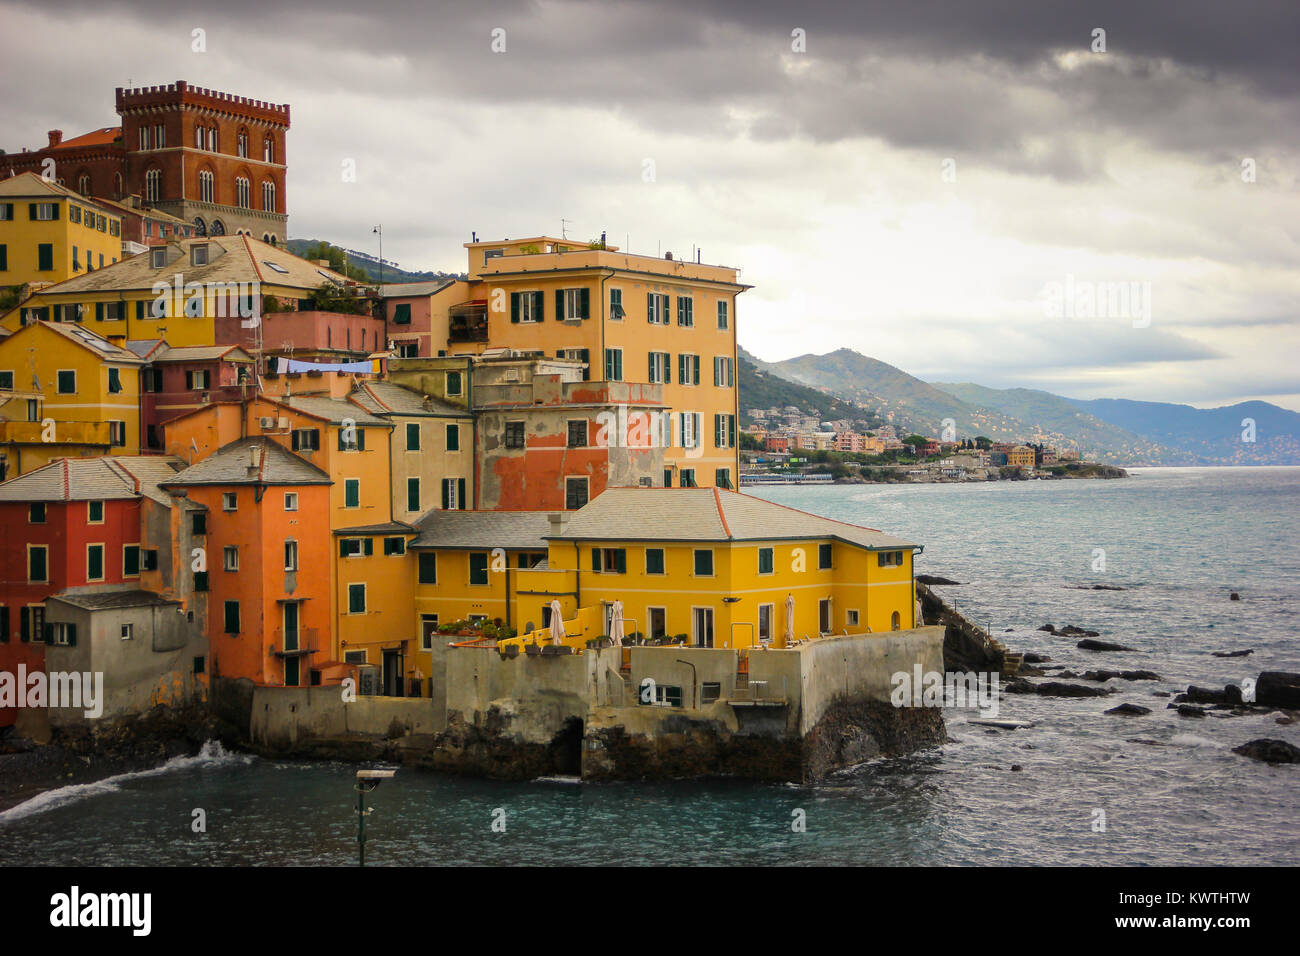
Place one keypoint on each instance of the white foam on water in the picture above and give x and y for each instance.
(1191, 740)
(558, 778)
(211, 755)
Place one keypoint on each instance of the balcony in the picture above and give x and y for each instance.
(62, 433)
(304, 645)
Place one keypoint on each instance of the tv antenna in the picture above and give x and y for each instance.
(563, 224)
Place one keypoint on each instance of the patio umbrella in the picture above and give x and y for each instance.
(557, 623)
(789, 619)
(616, 624)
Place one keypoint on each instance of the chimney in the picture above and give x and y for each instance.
(255, 457)
(558, 520)
(56, 137)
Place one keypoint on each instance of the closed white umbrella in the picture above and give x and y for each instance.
(616, 624)
(789, 619)
(557, 623)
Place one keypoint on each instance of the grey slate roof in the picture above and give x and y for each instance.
(230, 465)
(707, 514)
(396, 290)
(386, 398)
(95, 479)
(483, 530)
(389, 527)
(333, 410)
(109, 600)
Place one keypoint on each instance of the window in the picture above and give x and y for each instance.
(428, 628)
(660, 363)
(153, 185)
(527, 307)
(851, 618)
(453, 383)
(230, 558)
(199, 254)
(685, 311)
(478, 567)
(765, 613)
(36, 512)
(453, 438)
(4, 258)
(6, 212)
(117, 433)
(241, 192)
(824, 616)
(654, 560)
(895, 622)
(690, 430)
(31, 623)
(710, 691)
(157, 260)
(352, 493)
(232, 617)
(453, 494)
(889, 559)
(724, 431)
(408, 349)
(291, 501)
(723, 372)
(823, 557)
(200, 580)
(575, 493)
(352, 438)
(229, 501)
(578, 433)
(356, 547)
(43, 211)
(573, 303)
(198, 522)
(290, 554)
(95, 512)
(63, 635)
(616, 304)
(205, 186)
(703, 562)
(148, 559)
(45, 257)
(67, 382)
(94, 562)
(305, 439)
(609, 560)
(428, 568)
(130, 560)
(268, 196)
(656, 307)
(514, 434)
(268, 150)
(688, 369)
(395, 546)
(687, 478)
(766, 561)
(197, 380)
(412, 494)
(613, 365)
(356, 599)
(722, 478)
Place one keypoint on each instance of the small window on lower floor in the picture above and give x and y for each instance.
(710, 691)
(851, 618)
(128, 632)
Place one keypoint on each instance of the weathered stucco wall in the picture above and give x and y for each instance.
(282, 718)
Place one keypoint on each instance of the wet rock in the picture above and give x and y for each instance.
(1232, 695)
(1049, 628)
(1234, 596)
(1031, 658)
(1133, 710)
(1249, 650)
(935, 579)
(1203, 695)
(1096, 587)
(1071, 631)
(1189, 710)
(1160, 693)
(1104, 675)
(1269, 751)
(1090, 645)
(1055, 689)
(1284, 721)
(1015, 768)
(1278, 689)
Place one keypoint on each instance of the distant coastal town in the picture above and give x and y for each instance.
(787, 445)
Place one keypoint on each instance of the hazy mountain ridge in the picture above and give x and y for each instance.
(1116, 431)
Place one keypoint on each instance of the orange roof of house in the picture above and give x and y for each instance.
(97, 137)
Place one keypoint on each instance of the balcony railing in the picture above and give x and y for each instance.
(304, 645)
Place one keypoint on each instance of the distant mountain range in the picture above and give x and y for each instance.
(363, 260)
(1115, 431)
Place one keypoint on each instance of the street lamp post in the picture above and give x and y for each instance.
(367, 781)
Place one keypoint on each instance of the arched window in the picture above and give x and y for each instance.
(241, 192)
(268, 149)
(895, 621)
(268, 196)
(206, 186)
(200, 227)
(241, 143)
(83, 184)
(117, 185)
(218, 227)
(153, 185)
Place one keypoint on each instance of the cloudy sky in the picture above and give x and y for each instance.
(919, 181)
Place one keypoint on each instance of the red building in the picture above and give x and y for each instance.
(178, 380)
(75, 523)
(205, 157)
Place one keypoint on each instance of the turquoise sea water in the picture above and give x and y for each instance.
(1168, 788)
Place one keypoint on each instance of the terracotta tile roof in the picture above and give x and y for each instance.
(103, 136)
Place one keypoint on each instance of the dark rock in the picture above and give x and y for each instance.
(1049, 628)
(1232, 694)
(1031, 658)
(1104, 675)
(935, 579)
(1203, 695)
(1160, 693)
(1095, 587)
(1071, 631)
(1285, 721)
(1249, 650)
(1090, 645)
(1055, 689)
(1190, 710)
(1269, 751)
(1130, 709)
(1015, 767)
(1234, 596)
(1278, 689)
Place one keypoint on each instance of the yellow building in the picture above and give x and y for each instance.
(1020, 457)
(49, 233)
(630, 318)
(197, 292)
(66, 392)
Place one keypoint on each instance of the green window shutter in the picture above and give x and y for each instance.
(428, 567)
(681, 368)
(697, 370)
(47, 632)
(402, 314)
(597, 559)
(412, 494)
(539, 305)
(70, 630)
(668, 368)
(460, 493)
(584, 303)
(31, 210)
(620, 561)
(446, 493)
(514, 307)
(650, 307)
(559, 304)
(412, 436)
(139, 308)
(343, 547)
(453, 438)
(99, 312)
(586, 358)
(368, 546)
